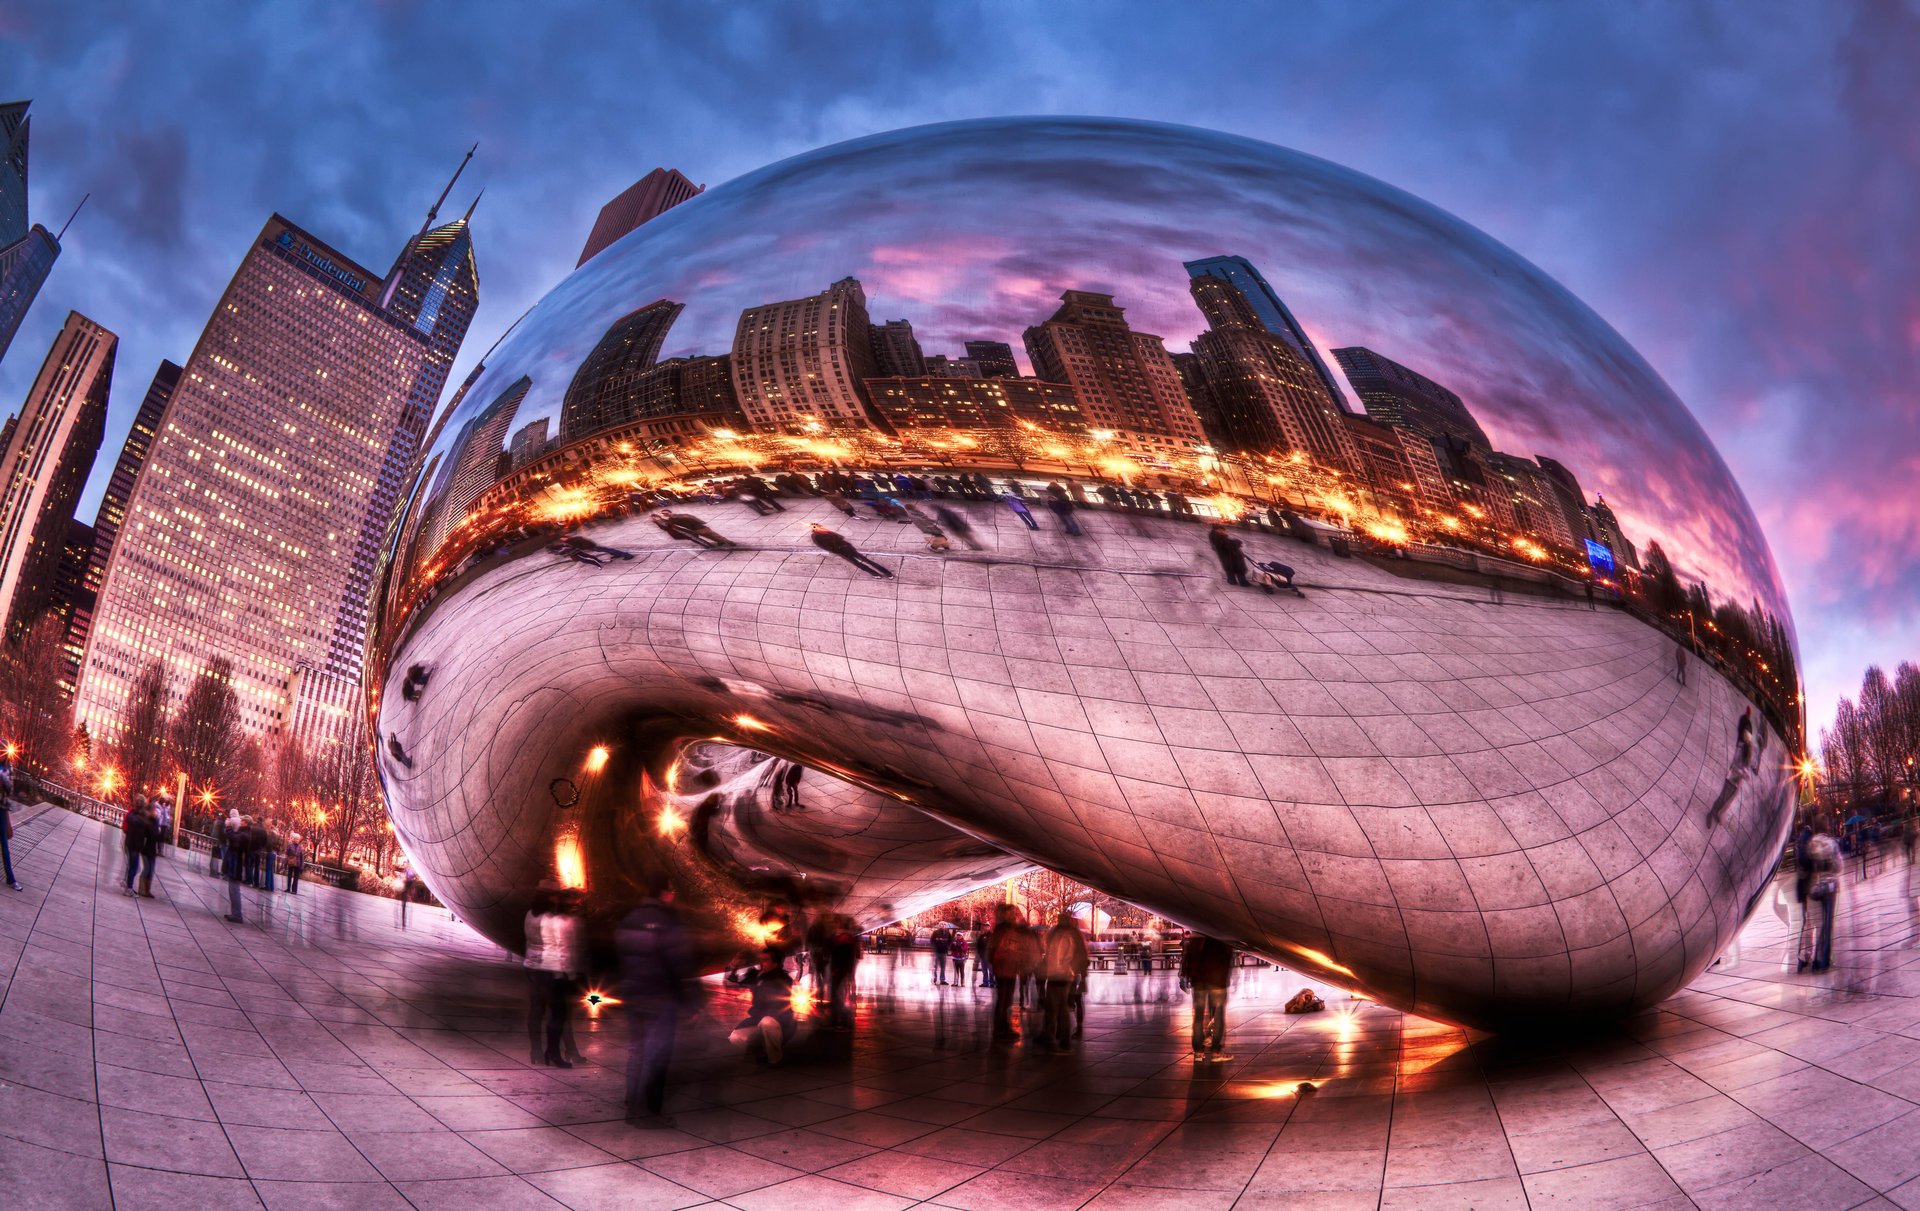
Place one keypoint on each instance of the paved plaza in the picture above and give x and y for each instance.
(319, 1056)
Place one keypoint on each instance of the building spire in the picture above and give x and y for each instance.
(468, 217)
(433, 212)
(72, 217)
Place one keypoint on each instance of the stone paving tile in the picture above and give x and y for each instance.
(1734, 1094)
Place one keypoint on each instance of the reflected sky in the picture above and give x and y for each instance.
(972, 230)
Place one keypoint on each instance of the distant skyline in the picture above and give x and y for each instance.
(1757, 253)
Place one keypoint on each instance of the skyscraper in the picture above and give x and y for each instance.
(1606, 528)
(895, 353)
(1273, 314)
(473, 462)
(605, 389)
(1567, 492)
(113, 511)
(648, 198)
(805, 360)
(1123, 380)
(529, 442)
(994, 359)
(1263, 394)
(48, 455)
(1392, 393)
(251, 533)
(26, 253)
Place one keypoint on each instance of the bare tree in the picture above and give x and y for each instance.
(142, 749)
(348, 789)
(206, 736)
(35, 713)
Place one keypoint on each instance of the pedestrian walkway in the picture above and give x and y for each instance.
(321, 1056)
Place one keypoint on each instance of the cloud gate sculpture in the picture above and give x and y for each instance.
(1214, 525)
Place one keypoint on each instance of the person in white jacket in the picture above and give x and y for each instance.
(555, 964)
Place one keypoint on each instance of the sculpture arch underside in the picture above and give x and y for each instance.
(1496, 808)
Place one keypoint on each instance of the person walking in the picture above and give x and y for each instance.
(1011, 948)
(837, 544)
(1062, 506)
(790, 785)
(217, 861)
(1063, 966)
(954, 522)
(139, 838)
(233, 863)
(656, 974)
(843, 956)
(296, 863)
(1206, 967)
(1823, 856)
(554, 963)
(409, 881)
(1018, 504)
(1680, 663)
(263, 845)
(941, 939)
(1231, 553)
(6, 821)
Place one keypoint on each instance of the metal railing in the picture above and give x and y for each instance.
(82, 804)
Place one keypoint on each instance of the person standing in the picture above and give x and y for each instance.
(1231, 553)
(296, 862)
(982, 953)
(1010, 946)
(1823, 855)
(837, 544)
(656, 973)
(263, 845)
(138, 832)
(1064, 966)
(941, 940)
(1062, 506)
(843, 956)
(790, 784)
(554, 964)
(233, 863)
(408, 881)
(1206, 967)
(6, 821)
(955, 523)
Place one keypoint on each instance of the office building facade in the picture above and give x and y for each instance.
(648, 198)
(1123, 381)
(804, 361)
(48, 454)
(251, 532)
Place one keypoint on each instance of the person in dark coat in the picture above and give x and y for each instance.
(233, 863)
(656, 974)
(769, 1023)
(143, 846)
(6, 821)
(1014, 952)
(1231, 553)
(837, 544)
(1206, 967)
(296, 863)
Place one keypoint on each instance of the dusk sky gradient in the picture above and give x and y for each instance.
(1734, 188)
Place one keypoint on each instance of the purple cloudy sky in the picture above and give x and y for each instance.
(1735, 189)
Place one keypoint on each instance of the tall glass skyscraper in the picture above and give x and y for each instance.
(26, 253)
(1273, 312)
(253, 530)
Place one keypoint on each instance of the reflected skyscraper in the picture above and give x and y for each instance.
(1124, 381)
(805, 360)
(252, 530)
(1263, 394)
(896, 353)
(26, 253)
(1273, 313)
(994, 359)
(605, 391)
(48, 455)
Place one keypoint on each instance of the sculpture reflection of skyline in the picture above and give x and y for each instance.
(1250, 420)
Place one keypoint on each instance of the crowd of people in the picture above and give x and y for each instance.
(1029, 970)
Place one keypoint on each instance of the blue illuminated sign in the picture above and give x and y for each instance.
(300, 249)
(1599, 558)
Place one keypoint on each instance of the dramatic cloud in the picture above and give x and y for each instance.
(1732, 188)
